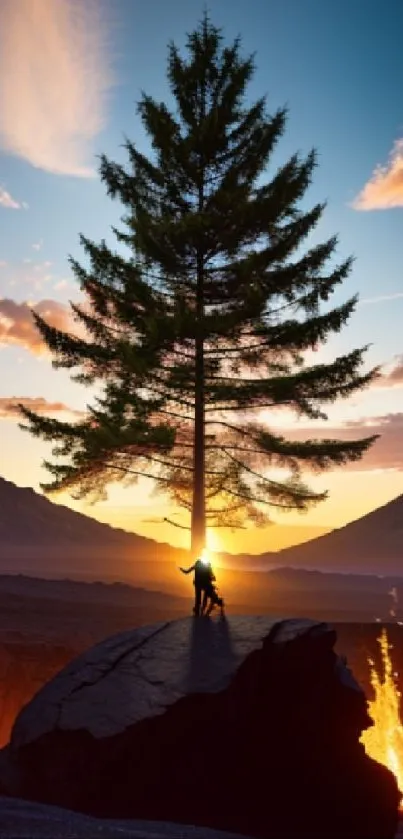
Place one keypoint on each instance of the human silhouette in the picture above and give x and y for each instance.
(202, 581)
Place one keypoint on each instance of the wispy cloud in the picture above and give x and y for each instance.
(9, 407)
(384, 189)
(54, 76)
(381, 298)
(61, 285)
(17, 326)
(393, 377)
(33, 279)
(37, 246)
(7, 201)
(386, 452)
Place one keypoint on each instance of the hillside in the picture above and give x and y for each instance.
(40, 537)
(371, 544)
(27, 518)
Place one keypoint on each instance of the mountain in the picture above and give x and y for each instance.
(371, 544)
(27, 518)
(38, 535)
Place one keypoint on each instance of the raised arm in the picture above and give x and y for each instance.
(187, 570)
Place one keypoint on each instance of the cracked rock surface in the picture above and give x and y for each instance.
(138, 674)
(246, 725)
(22, 819)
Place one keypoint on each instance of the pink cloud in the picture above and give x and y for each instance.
(54, 77)
(394, 377)
(62, 284)
(17, 326)
(7, 201)
(384, 189)
(9, 407)
(387, 451)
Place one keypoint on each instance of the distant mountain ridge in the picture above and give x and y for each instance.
(34, 529)
(27, 517)
(371, 544)
(38, 536)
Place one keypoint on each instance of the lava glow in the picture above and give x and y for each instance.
(384, 740)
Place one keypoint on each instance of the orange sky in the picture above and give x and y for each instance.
(354, 490)
(350, 498)
(351, 495)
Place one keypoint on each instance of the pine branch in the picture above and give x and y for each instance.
(251, 499)
(175, 524)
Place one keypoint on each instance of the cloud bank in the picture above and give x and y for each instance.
(17, 326)
(384, 190)
(54, 75)
(9, 407)
(386, 452)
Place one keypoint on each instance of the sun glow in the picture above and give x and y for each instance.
(214, 543)
(205, 556)
(384, 740)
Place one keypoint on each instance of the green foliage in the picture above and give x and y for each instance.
(215, 263)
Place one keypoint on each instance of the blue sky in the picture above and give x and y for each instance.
(69, 93)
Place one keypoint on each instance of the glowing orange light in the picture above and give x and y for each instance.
(384, 740)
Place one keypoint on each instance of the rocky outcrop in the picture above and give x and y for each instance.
(248, 726)
(20, 819)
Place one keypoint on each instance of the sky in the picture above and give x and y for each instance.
(71, 72)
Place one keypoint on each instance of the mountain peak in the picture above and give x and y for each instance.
(27, 517)
(370, 544)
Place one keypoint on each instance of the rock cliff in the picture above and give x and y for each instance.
(248, 725)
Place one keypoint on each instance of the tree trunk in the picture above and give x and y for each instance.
(198, 526)
(198, 531)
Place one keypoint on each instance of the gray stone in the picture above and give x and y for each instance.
(246, 725)
(138, 674)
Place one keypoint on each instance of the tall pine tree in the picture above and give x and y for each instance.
(207, 319)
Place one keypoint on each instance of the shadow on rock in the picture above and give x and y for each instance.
(211, 653)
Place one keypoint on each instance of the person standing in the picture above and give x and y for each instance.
(203, 578)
